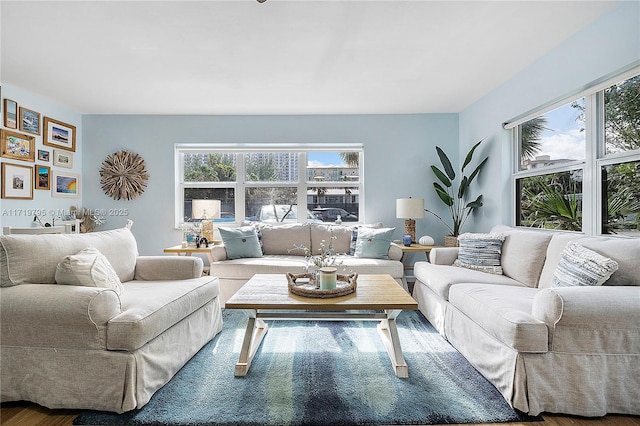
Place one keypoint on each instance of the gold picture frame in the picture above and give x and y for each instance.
(29, 121)
(42, 176)
(10, 114)
(59, 135)
(17, 181)
(17, 146)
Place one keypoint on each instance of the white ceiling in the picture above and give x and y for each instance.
(277, 57)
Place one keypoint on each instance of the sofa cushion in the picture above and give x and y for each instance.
(523, 253)
(267, 264)
(19, 254)
(280, 239)
(88, 268)
(580, 266)
(625, 251)
(340, 237)
(440, 278)
(374, 243)
(363, 265)
(143, 317)
(504, 312)
(241, 242)
(480, 252)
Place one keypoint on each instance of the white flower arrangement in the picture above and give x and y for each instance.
(327, 254)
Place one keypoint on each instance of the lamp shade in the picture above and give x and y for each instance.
(205, 209)
(410, 208)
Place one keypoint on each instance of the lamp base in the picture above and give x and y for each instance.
(410, 229)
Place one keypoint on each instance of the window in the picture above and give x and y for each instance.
(578, 162)
(274, 183)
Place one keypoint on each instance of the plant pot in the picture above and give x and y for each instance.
(450, 241)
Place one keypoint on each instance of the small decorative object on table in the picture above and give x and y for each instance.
(406, 240)
(305, 285)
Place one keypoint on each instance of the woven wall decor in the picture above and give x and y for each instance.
(123, 175)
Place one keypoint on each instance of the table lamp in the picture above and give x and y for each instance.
(410, 209)
(206, 211)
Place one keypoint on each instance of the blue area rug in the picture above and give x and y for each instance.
(322, 373)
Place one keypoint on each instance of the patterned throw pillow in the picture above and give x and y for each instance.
(580, 266)
(480, 252)
(241, 242)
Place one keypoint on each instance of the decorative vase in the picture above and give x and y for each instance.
(450, 241)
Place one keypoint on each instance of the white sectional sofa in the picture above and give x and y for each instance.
(88, 347)
(573, 350)
(280, 256)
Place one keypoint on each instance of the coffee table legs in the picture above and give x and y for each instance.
(255, 332)
(257, 329)
(389, 333)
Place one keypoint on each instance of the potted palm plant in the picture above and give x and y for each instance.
(455, 193)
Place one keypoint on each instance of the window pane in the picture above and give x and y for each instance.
(551, 201)
(621, 199)
(209, 167)
(622, 116)
(329, 203)
(274, 204)
(333, 167)
(553, 138)
(271, 167)
(200, 202)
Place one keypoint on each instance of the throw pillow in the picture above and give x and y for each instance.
(88, 268)
(580, 266)
(373, 243)
(241, 242)
(480, 252)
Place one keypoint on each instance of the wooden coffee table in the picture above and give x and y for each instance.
(266, 296)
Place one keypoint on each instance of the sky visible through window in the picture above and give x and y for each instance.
(564, 137)
(315, 159)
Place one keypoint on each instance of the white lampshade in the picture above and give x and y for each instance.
(205, 209)
(410, 208)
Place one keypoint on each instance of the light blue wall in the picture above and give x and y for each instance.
(17, 212)
(607, 45)
(398, 150)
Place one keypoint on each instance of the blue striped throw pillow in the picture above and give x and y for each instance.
(580, 266)
(480, 252)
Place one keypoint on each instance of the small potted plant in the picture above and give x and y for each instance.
(454, 193)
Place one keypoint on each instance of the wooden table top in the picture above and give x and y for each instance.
(180, 249)
(271, 291)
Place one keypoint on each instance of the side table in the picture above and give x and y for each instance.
(188, 251)
(406, 250)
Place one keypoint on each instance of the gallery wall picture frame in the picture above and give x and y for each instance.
(62, 158)
(10, 114)
(42, 176)
(59, 135)
(29, 121)
(65, 184)
(17, 181)
(43, 155)
(17, 146)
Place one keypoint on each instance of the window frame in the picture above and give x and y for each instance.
(595, 151)
(240, 184)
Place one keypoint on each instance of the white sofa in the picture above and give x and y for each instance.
(573, 350)
(85, 347)
(280, 255)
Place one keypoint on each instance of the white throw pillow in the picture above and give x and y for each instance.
(580, 266)
(88, 268)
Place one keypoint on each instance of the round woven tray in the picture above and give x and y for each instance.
(346, 284)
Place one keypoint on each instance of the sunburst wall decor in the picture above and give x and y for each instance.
(123, 175)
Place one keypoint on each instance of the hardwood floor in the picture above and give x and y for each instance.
(28, 414)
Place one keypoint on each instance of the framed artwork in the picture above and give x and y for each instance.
(65, 184)
(10, 114)
(29, 121)
(17, 181)
(59, 134)
(17, 146)
(62, 158)
(43, 155)
(41, 177)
